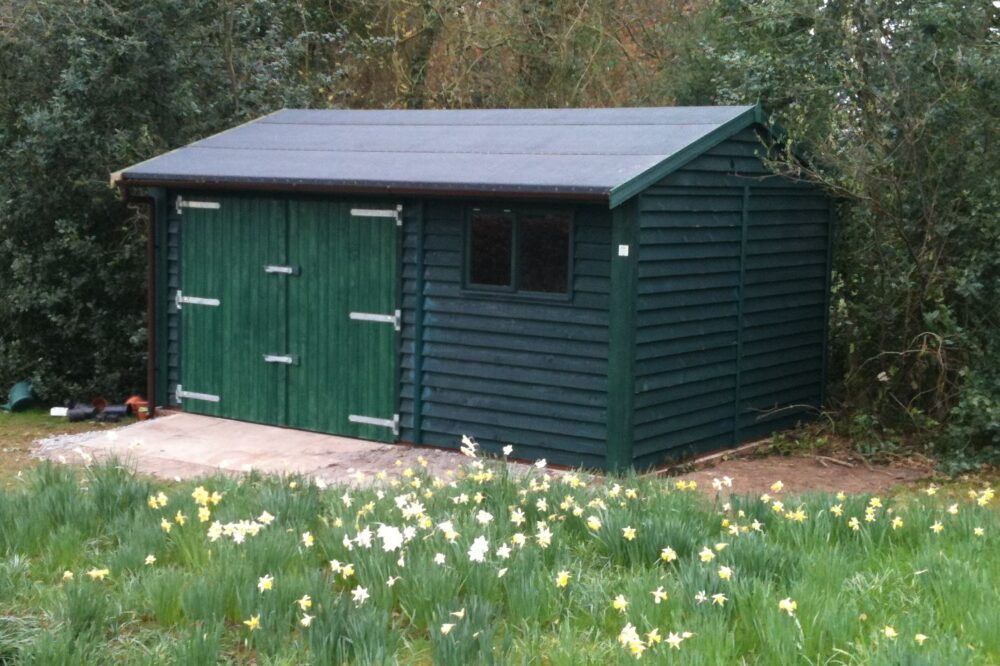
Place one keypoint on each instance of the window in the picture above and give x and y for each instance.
(525, 252)
(491, 244)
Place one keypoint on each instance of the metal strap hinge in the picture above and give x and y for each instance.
(280, 358)
(382, 423)
(194, 395)
(395, 213)
(396, 319)
(195, 300)
(188, 203)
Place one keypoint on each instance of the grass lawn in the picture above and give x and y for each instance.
(480, 567)
(19, 430)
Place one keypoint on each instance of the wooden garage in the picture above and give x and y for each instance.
(599, 287)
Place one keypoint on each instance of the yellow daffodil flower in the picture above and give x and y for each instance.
(562, 579)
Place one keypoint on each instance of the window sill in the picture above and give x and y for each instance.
(517, 296)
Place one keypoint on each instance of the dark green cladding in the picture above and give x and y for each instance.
(532, 373)
(342, 263)
(731, 304)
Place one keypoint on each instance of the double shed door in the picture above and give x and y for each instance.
(289, 313)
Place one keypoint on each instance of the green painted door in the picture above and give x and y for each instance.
(233, 309)
(342, 319)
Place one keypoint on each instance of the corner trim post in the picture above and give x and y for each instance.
(622, 335)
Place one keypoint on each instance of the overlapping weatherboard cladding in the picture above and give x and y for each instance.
(503, 368)
(731, 311)
(168, 280)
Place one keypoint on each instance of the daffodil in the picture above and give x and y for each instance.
(937, 527)
(719, 599)
(659, 595)
(150, 559)
(620, 603)
(305, 603)
(628, 635)
(447, 627)
(725, 573)
(674, 640)
(889, 632)
(98, 574)
(668, 554)
(920, 638)
(478, 549)
(897, 523)
(562, 579)
(706, 555)
(359, 595)
(628, 533)
(308, 540)
(978, 531)
(253, 624)
(265, 583)
(593, 523)
(777, 486)
(200, 495)
(67, 575)
(788, 605)
(306, 620)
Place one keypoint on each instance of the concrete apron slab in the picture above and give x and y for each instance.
(190, 445)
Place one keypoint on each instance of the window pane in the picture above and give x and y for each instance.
(543, 248)
(490, 248)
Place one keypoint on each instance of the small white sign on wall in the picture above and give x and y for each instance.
(623, 250)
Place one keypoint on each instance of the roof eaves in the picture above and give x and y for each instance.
(623, 192)
(368, 188)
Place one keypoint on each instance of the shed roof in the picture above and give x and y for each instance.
(600, 154)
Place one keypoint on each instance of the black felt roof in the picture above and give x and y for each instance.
(589, 153)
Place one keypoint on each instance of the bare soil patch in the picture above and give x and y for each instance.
(802, 473)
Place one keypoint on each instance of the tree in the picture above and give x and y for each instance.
(85, 89)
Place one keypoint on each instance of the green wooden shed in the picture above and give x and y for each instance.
(598, 287)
